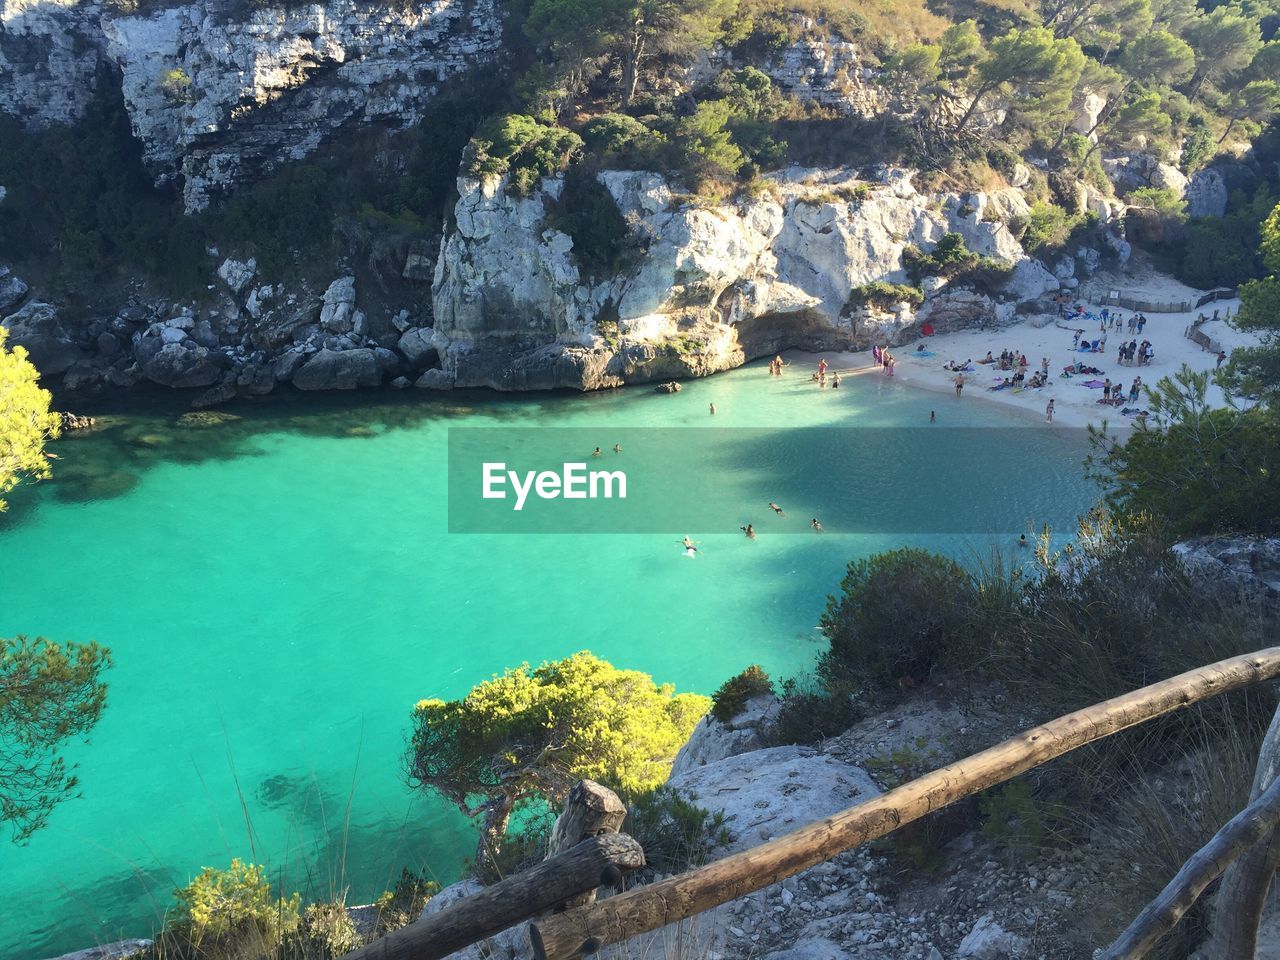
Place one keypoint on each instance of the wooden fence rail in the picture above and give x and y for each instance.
(587, 929)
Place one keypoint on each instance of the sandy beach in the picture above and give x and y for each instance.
(1037, 337)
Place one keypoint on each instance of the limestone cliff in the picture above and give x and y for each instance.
(219, 93)
(712, 285)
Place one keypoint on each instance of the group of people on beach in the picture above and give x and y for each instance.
(883, 359)
(775, 366)
(820, 375)
(1143, 351)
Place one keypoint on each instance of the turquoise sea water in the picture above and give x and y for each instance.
(280, 589)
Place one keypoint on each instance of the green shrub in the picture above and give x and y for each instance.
(884, 295)
(953, 260)
(586, 211)
(622, 141)
(1163, 201)
(327, 932)
(232, 910)
(403, 904)
(522, 148)
(731, 699)
(902, 614)
(676, 833)
(1045, 225)
(810, 711)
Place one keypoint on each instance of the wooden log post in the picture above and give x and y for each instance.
(586, 929)
(590, 811)
(1243, 831)
(1242, 895)
(584, 867)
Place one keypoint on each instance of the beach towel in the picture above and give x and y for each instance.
(1093, 384)
(923, 353)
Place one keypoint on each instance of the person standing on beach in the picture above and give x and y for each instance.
(959, 384)
(1222, 355)
(1048, 413)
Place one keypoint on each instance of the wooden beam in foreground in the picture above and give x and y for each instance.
(595, 861)
(1247, 828)
(586, 929)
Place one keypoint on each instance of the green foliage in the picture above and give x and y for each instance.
(327, 932)
(1197, 149)
(50, 694)
(535, 732)
(1160, 199)
(1221, 251)
(951, 259)
(522, 148)
(176, 84)
(586, 211)
(1046, 226)
(810, 711)
(708, 148)
(1012, 818)
(883, 295)
(232, 911)
(404, 902)
(1199, 469)
(732, 696)
(26, 421)
(676, 833)
(617, 140)
(900, 615)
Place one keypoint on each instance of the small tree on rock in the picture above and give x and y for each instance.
(532, 733)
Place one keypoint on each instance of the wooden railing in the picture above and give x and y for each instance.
(585, 929)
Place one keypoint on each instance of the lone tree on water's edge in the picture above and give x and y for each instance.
(49, 693)
(25, 420)
(532, 733)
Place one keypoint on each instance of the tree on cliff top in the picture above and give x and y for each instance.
(49, 693)
(25, 420)
(1255, 371)
(532, 733)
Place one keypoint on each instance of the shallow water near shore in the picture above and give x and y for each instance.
(278, 588)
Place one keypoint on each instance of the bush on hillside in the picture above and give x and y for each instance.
(522, 148)
(900, 616)
(587, 212)
(882, 295)
(731, 699)
(675, 832)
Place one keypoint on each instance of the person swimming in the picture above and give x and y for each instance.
(689, 544)
(713, 409)
(776, 509)
(617, 448)
(596, 453)
(1022, 541)
(749, 530)
(816, 524)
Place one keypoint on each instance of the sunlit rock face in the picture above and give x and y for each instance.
(716, 284)
(222, 92)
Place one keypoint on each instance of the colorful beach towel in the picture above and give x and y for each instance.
(924, 353)
(1093, 384)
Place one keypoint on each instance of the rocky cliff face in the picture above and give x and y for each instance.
(220, 92)
(714, 285)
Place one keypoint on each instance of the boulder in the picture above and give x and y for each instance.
(1088, 110)
(712, 740)
(1144, 170)
(766, 793)
(177, 364)
(1030, 280)
(119, 950)
(37, 328)
(417, 348)
(672, 387)
(434, 380)
(1242, 566)
(238, 274)
(1206, 194)
(990, 941)
(338, 305)
(12, 290)
(339, 370)
(288, 364)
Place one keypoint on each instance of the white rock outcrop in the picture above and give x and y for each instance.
(219, 94)
(744, 278)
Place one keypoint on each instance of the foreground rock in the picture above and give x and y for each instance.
(339, 370)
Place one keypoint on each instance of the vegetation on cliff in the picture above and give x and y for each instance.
(531, 733)
(26, 422)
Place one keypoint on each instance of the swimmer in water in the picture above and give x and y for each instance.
(596, 453)
(688, 544)
(816, 524)
(617, 448)
(776, 509)
(713, 409)
(749, 530)
(1022, 540)
(933, 416)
